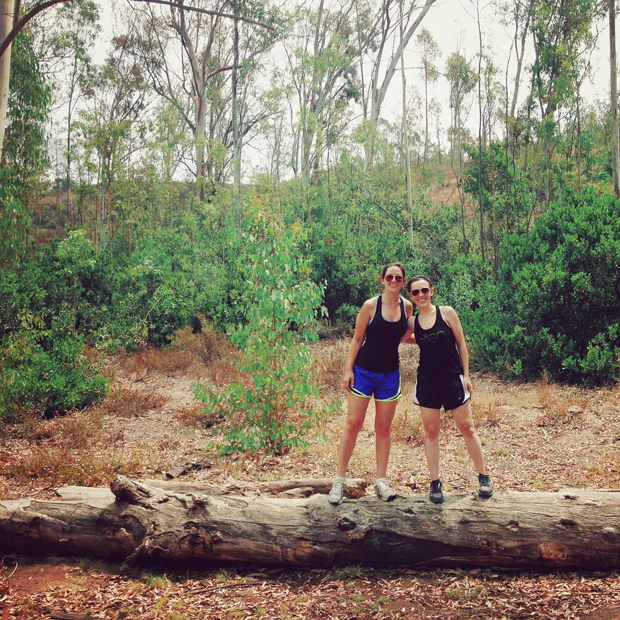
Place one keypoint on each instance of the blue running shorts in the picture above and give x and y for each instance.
(449, 392)
(385, 386)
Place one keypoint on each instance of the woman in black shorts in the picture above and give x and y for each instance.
(443, 380)
(373, 370)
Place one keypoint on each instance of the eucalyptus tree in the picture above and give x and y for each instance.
(428, 51)
(383, 63)
(7, 9)
(322, 53)
(112, 125)
(208, 57)
(462, 79)
(517, 15)
(24, 158)
(71, 31)
(252, 39)
(563, 39)
(615, 138)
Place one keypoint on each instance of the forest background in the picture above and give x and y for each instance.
(228, 157)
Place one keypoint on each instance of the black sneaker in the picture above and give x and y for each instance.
(486, 488)
(435, 493)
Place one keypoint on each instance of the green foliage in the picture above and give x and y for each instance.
(554, 305)
(23, 152)
(45, 370)
(24, 149)
(281, 305)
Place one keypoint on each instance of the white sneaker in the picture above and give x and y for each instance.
(335, 495)
(383, 490)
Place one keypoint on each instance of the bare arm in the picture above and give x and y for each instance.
(361, 323)
(409, 338)
(451, 317)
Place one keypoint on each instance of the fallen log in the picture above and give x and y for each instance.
(568, 530)
(355, 487)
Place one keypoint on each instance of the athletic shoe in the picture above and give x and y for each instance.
(335, 495)
(486, 488)
(383, 490)
(435, 494)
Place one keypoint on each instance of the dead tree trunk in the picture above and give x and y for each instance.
(574, 529)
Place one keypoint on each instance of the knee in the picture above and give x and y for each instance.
(431, 431)
(467, 429)
(383, 430)
(353, 427)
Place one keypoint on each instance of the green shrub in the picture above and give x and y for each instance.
(46, 370)
(282, 304)
(554, 306)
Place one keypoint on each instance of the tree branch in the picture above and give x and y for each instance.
(24, 20)
(206, 12)
(49, 3)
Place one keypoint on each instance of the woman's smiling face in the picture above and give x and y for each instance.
(393, 279)
(420, 292)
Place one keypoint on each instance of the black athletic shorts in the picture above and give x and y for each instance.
(448, 393)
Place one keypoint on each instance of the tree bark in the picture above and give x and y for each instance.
(6, 25)
(615, 140)
(378, 93)
(572, 529)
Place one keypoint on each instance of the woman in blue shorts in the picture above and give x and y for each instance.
(373, 370)
(442, 381)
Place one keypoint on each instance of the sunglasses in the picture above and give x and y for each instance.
(390, 277)
(415, 292)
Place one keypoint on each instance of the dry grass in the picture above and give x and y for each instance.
(196, 417)
(330, 359)
(165, 361)
(215, 357)
(128, 403)
(68, 451)
(206, 353)
(60, 464)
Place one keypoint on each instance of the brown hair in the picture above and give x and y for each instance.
(399, 265)
(430, 284)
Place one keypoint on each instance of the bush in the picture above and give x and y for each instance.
(554, 306)
(281, 305)
(46, 370)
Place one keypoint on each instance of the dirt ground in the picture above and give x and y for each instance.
(536, 437)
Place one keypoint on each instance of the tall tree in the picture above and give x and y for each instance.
(24, 157)
(110, 125)
(429, 52)
(323, 69)
(615, 148)
(69, 42)
(462, 79)
(405, 127)
(562, 39)
(7, 8)
(384, 68)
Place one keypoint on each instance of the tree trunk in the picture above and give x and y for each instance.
(6, 25)
(480, 123)
(236, 131)
(569, 530)
(378, 92)
(406, 129)
(615, 150)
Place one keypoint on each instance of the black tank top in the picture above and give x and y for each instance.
(439, 355)
(379, 353)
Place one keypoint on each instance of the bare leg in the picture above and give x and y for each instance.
(431, 419)
(465, 423)
(383, 431)
(355, 420)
